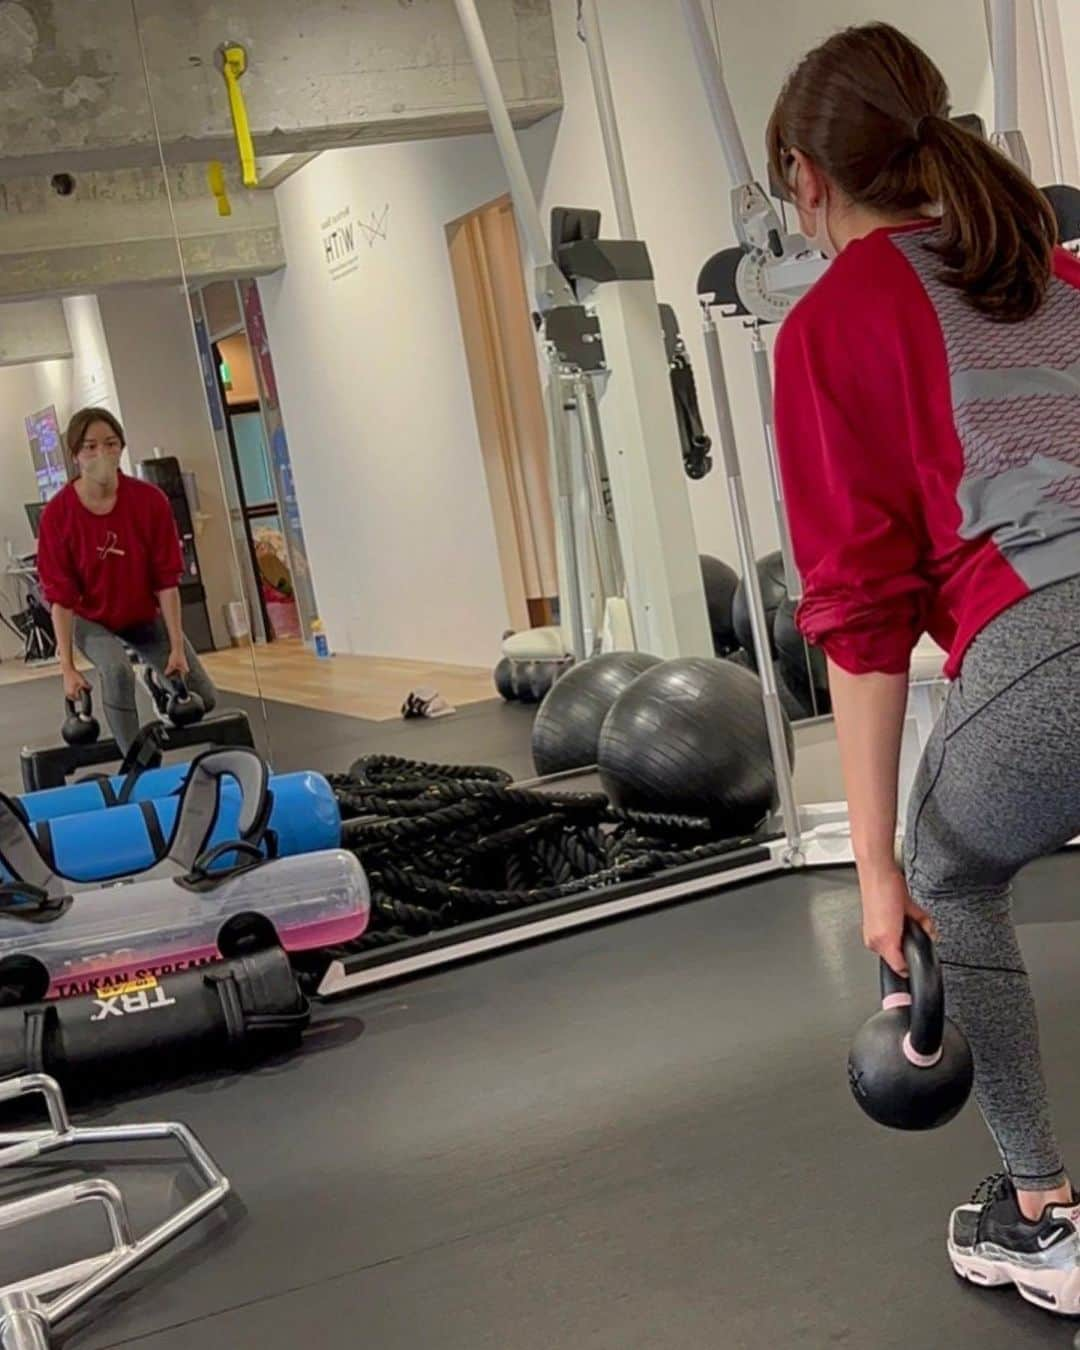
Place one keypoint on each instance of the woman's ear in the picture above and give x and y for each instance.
(807, 182)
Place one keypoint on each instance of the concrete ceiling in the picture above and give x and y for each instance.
(85, 92)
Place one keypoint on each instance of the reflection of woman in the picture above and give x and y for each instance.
(110, 565)
(928, 411)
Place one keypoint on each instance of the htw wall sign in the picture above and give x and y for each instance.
(342, 236)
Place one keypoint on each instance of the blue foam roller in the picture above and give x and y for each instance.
(99, 845)
(76, 798)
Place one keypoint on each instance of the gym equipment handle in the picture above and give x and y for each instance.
(924, 990)
(200, 870)
(232, 62)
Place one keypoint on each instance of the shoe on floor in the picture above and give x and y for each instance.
(991, 1243)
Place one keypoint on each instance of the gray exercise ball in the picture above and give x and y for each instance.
(689, 738)
(567, 727)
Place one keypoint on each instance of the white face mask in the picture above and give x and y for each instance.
(102, 471)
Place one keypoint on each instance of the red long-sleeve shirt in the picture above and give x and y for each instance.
(930, 457)
(109, 569)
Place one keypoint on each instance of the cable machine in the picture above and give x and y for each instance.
(629, 574)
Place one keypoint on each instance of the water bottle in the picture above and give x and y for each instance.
(318, 633)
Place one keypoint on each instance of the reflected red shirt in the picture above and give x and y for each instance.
(110, 569)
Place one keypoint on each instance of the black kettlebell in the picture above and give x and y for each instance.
(911, 1068)
(182, 707)
(80, 725)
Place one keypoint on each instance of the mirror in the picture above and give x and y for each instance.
(94, 313)
(370, 356)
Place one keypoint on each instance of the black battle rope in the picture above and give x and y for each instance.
(445, 844)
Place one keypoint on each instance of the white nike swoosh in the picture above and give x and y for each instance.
(1049, 1241)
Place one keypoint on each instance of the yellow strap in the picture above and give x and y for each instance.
(233, 59)
(215, 176)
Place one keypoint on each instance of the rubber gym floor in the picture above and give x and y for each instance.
(639, 1136)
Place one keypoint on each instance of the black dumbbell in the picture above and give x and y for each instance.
(80, 725)
(182, 707)
(911, 1068)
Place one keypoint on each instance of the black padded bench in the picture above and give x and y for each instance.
(51, 768)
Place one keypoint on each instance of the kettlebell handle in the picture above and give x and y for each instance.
(80, 707)
(180, 687)
(923, 991)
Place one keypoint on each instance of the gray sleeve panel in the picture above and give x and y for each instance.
(1016, 400)
(995, 386)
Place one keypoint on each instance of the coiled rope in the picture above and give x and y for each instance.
(445, 845)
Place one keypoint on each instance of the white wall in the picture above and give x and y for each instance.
(160, 389)
(93, 383)
(373, 380)
(1068, 15)
(377, 405)
(23, 389)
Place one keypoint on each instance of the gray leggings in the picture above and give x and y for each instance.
(116, 680)
(999, 786)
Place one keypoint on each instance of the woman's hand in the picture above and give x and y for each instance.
(886, 904)
(177, 664)
(74, 684)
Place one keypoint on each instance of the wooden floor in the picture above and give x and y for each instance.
(354, 686)
(286, 672)
(13, 670)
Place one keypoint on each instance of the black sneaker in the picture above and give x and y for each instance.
(991, 1243)
(159, 695)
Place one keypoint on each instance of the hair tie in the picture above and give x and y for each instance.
(920, 123)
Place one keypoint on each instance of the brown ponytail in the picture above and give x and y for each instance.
(872, 110)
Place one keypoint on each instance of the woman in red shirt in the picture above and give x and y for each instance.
(110, 565)
(928, 420)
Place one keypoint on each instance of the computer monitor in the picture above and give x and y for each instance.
(33, 515)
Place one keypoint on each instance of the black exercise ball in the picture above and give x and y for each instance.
(532, 680)
(1066, 206)
(567, 727)
(504, 679)
(797, 707)
(803, 667)
(689, 738)
(721, 583)
(773, 591)
(787, 639)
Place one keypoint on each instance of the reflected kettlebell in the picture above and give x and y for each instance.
(910, 1068)
(80, 725)
(182, 707)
